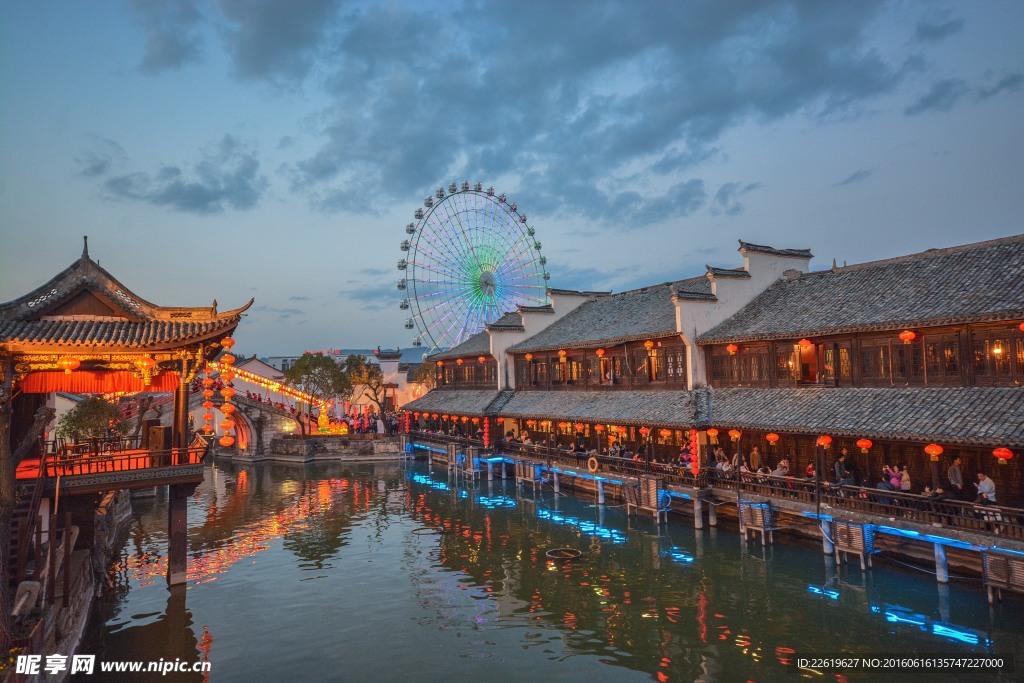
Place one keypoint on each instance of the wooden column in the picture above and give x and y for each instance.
(177, 532)
(179, 430)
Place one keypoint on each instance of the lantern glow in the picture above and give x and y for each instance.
(864, 445)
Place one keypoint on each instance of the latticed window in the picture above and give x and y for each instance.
(874, 360)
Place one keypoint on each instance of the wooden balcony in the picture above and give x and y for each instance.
(84, 471)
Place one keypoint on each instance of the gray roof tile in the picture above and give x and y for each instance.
(971, 283)
(636, 314)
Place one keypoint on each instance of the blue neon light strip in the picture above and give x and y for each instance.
(824, 592)
(584, 526)
(678, 555)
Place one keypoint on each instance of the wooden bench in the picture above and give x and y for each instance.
(526, 473)
(1002, 572)
(853, 539)
(758, 517)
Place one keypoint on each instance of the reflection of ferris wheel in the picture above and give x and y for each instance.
(471, 258)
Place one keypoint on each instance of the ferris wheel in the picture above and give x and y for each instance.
(471, 258)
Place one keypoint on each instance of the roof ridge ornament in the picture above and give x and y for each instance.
(85, 247)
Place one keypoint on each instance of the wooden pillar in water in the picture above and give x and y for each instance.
(490, 471)
(941, 570)
(698, 513)
(600, 492)
(177, 532)
(827, 546)
(554, 478)
(712, 514)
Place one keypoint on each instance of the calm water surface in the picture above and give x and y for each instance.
(340, 573)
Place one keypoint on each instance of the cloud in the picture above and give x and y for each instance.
(940, 97)
(1011, 82)
(727, 199)
(226, 177)
(856, 176)
(273, 40)
(281, 313)
(298, 298)
(102, 156)
(373, 295)
(172, 33)
(929, 31)
(600, 110)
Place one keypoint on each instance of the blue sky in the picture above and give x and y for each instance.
(234, 149)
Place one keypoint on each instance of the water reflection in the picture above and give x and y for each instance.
(381, 572)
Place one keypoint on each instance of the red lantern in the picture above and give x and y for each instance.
(732, 349)
(735, 434)
(934, 450)
(772, 438)
(227, 441)
(579, 426)
(644, 431)
(476, 420)
(227, 423)
(207, 404)
(68, 364)
(416, 415)
(713, 435)
(864, 445)
(600, 352)
(228, 408)
(208, 393)
(824, 440)
(561, 353)
(459, 361)
(805, 344)
(648, 345)
(227, 392)
(482, 359)
(528, 356)
(207, 428)
(145, 363)
(227, 374)
(599, 429)
(227, 359)
(440, 363)
(1003, 454)
(208, 416)
(1022, 327)
(907, 336)
(227, 342)
(665, 433)
(208, 382)
(435, 416)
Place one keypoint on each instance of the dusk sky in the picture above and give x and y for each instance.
(234, 149)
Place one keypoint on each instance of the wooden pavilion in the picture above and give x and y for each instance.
(83, 332)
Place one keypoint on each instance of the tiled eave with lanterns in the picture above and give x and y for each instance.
(635, 408)
(974, 283)
(966, 416)
(454, 402)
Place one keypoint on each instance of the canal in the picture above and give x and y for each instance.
(391, 572)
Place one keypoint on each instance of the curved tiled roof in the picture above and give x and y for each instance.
(455, 401)
(971, 283)
(628, 316)
(639, 408)
(477, 345)
(120, 333)
(970, 416)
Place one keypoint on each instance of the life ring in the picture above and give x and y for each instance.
(593, 464)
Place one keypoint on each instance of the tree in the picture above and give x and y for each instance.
(320, 377)
(423, 373)
(93, 418)
(368, 376)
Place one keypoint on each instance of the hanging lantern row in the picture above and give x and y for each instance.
(208, 404)
(228, 393)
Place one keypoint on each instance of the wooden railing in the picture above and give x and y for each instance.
(123, 461)
(1007, 522)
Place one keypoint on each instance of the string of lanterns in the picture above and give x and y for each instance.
(227, 374)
